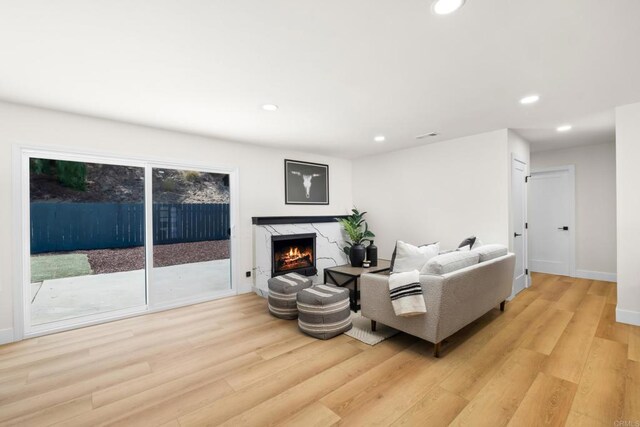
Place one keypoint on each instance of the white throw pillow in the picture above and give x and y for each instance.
(409, 257)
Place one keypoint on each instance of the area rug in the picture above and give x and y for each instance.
(362, 330)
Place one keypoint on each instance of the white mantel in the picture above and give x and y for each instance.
(329, 243)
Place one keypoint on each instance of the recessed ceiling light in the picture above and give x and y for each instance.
(270, 107)
(445, 7)
(379, 138)
(530, 99)
(563, 128)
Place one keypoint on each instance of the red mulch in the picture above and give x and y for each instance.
(116, 260)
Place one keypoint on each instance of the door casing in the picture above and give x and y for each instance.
(571, 173)
(517, 287)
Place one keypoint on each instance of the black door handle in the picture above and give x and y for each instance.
(565, 228)
(516, 235)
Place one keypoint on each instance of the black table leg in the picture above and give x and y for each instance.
(355, 296)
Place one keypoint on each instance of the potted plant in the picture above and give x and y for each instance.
(358, 231)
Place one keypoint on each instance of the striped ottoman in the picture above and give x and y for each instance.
(324, 311)
(282, 294)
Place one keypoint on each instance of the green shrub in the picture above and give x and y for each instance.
(72, 174)
(191, 176)
(40, 166)
(169, 185)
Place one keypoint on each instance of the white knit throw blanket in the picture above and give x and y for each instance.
(406, 294)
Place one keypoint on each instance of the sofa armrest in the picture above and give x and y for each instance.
(471, 292)
(376, 305)
(374, 290)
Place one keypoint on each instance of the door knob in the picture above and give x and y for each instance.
(516, 235)
(565, 228)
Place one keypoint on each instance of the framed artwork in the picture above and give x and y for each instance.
(306, 183)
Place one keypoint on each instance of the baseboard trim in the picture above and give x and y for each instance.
(6, 336)
(259, 292)
(597, 275)
(627, 316)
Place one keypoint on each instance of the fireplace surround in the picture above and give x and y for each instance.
(293, 253)
(328, 247)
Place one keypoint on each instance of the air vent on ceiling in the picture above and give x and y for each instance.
(427, 135)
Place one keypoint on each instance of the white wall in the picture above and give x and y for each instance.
(443, 192)
(518, 147)
(260, 173)
(595, 204)
(628, 212)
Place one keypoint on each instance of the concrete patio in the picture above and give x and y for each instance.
(66, 298)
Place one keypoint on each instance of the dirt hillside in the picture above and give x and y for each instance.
(122, 184)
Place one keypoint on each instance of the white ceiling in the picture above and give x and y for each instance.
(341, 71)
(590, 129)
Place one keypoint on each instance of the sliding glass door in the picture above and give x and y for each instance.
(106, 238)
(191, 223)
(87, 254)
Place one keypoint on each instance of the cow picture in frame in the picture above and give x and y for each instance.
(306, 183)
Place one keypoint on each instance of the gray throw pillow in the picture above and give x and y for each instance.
(469, 241)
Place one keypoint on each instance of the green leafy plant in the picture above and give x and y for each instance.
(356, 228)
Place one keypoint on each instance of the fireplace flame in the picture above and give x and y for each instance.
(294, 253)
(294, 257)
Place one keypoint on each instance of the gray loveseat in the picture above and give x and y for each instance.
(453, 299)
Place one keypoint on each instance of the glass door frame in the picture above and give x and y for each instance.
(22, 292)
(150, 271)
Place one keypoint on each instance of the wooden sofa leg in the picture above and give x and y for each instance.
(436, 349)
(373, 326)
(502, 305)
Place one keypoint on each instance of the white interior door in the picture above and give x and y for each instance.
(551, 221)
(518, 200)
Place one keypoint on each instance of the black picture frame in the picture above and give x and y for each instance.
(296, 174)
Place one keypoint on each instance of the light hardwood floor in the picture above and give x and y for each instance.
(555, 356)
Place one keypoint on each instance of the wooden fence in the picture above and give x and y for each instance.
(57, 227)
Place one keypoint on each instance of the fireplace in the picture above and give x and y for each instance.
(293, 253)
